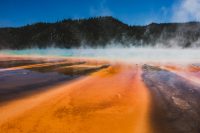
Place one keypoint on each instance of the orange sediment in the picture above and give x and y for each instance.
(189, 72)
(111, 100)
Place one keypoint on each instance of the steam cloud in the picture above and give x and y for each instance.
(186, 10)
(130, 55)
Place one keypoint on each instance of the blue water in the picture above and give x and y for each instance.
(124, 54)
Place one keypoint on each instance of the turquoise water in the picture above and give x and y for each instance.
(123, 54)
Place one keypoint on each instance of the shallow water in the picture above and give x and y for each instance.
(104, 96)
(138, 55)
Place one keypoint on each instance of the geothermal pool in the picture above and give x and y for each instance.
(100, 91)
(124, 54)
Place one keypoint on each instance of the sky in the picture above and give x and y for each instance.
(14, 13)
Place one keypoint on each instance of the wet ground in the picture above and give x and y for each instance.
(175, 101)
(68, 95)
(21, 76)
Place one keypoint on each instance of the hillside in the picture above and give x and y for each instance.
(98, 32)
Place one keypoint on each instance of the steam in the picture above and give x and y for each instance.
(130, 55)
(186, 10)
